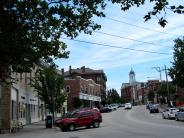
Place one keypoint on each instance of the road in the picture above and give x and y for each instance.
(135, 123)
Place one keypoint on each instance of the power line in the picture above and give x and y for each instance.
(131, 39)
(144, 28)
(106, 45)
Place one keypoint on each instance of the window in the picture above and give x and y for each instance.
(82, 90)
(75, 115)
(98, 79)
(68, 89)
(28, 78)
(86, 90)
(85, 114)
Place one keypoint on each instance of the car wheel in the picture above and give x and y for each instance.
(63, 129)
(96, 124)
(88, 126)
(169, 117)
(71, 127)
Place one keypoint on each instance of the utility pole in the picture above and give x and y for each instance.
(160, 71)
(168, 93)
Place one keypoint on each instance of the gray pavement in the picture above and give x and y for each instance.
(135, 123)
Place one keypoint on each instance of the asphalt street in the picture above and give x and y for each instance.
(135, 123)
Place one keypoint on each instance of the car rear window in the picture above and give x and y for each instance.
(85, 114)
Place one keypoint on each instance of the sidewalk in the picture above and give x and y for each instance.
(31, 131)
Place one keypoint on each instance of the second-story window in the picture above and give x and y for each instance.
(82, 89)
(68, 89)
(86, 90)
(98, 79)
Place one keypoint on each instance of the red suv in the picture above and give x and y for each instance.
(80, 118)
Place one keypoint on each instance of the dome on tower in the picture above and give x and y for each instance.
(131, 72)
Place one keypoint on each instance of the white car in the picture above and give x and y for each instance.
(128, 106)
(169, 113)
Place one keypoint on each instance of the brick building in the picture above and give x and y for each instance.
(126, 93)
(98, 76)
(153, 85)
(85, 89)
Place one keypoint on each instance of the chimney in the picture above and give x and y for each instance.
(62, 72)
(83, 69)
(70, 69)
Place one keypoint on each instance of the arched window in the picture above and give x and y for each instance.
(68, 89)
(86, 90)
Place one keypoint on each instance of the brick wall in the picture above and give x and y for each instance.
(126, 93)
(77, 85)
(74, 85)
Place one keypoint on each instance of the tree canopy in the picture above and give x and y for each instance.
(113, 96)
(177, 70)
(160, 7)
(31, 30)
(162, 90)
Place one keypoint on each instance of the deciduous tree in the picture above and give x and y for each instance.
(177, 70)
(49, 85)
(113, 96)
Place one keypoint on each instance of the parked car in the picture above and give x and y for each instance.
(114, 107)
(154, 109)
(105, 110)
(80, 118)
(110, 107)
(179, 115)
(128, 106)
(121, 105)
(169, 113)
(149, 105)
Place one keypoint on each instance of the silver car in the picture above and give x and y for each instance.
(169, 113)
(180, 114)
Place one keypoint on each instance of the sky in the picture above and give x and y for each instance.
(126, 30)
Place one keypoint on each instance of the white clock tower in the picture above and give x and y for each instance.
(132, 77)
